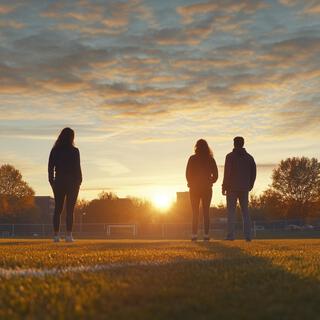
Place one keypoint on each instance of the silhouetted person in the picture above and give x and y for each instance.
(201, 173)
(239, 177)
(65, 177)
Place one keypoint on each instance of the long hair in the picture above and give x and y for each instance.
(65, 138)
(202, 149)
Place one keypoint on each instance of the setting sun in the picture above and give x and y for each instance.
(162, 201)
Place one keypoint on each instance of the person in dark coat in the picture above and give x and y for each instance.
(65, 177)
(239, 177)
(201, 173)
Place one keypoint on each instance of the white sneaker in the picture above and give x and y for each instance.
(56, 239)
(69, 239)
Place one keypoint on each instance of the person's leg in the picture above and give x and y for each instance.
(206, 200)
(71, 199)
(244, 203)
(59, 196)
(231, 208)
(195, 202)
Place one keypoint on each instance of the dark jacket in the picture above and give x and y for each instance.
(239, 171)
(64, 165)
(201, 172)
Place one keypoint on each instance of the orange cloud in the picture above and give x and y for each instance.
(4, 9)
(111, 18)
(12, 24)
(313, 8)
(231, 6)
(61, 85)
(187, 12)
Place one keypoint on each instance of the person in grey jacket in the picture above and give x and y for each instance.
(239, 177)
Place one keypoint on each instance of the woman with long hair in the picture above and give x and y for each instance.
(201, 173)
(65, 178)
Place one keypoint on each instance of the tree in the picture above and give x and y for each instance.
(80, 210)
(105, 195)
(269, 205)
(16, 196)
(297, 181)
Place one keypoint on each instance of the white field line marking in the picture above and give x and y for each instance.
(38, 273)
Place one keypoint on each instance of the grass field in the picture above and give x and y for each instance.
(265, 279)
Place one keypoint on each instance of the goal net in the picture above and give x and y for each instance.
(121, 230)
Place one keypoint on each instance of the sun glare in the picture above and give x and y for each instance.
(161, 201)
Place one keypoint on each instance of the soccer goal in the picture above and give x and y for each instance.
(121, 230)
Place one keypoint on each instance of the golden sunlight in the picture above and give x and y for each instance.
(162, 201)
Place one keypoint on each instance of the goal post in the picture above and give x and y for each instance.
(121, 230)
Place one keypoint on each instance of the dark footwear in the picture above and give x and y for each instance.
(194, 239)
(206, 238)
(228, 239)
(248, 240)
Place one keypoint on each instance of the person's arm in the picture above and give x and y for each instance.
(214, 171)
(253, 173)
(188, 172)
(78, 167)
(226, 175)
(51, 166)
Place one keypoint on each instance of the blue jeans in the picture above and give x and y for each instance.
(232, 198)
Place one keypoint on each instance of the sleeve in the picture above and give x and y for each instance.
(78, 167)
(188, 172)
(253, 173)
(214, 171)
(51, 166)
(226, 175)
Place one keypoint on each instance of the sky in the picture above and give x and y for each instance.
(141, 81)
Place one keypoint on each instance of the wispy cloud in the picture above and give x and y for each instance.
(308, 7)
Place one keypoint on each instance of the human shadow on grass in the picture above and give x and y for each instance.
(231, 285)
(255, 286)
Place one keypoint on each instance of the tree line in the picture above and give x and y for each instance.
(293, 194)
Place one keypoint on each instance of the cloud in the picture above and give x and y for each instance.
(204, 20)
(124, 84)
(12, 82)
(98, 19)
(197, 31)
(298, 117)
(191, 35)
(6, 8)
(313, 8)
(11, 24)
(112, 167)
(309, 7)
(189, 12)
(213, 63)
(289, 2)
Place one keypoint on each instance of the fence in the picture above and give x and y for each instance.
(100, 230)
(260, 229)
(286, 228)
